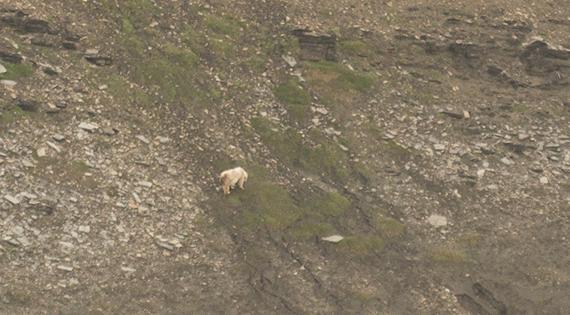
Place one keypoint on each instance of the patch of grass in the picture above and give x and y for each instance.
(519, 108)
(263, 203)
(123, 92)
(287, 144)
(18, 296)
(138, 12)
(127, 26)
(77, 169)
(390, 228)
(356, 48)
(297, 99)
(16, 71)
(174, 74)
(448, 256)
(319, 213)
(308, 229)
(131, 41)
(373, 130)
(470, 239)
(194, 40)
(363, 171)
(334, 78)
(331, 204)
(325, 158)
(183, 57)
(10, 114)
(222, 48)
(362, 245)
(223, 25)
(291, 92)
(256, 63)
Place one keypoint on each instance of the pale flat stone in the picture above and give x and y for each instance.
(333, 238)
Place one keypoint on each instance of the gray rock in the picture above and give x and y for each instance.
(2, 69)
(143, 139)
(507, 161)
(12, 242)
(58, 137)
(165, 245)
(290, 60)
(27, 163)
(523, 136)
(8, 83)
(28, 105)
(17, 230)
(333, 238)
(65, 268)
(108, 131)
(437, 220)
(145, 184)
(163, 140)
(41, 152)
(439, 147)
(54, 147)
(88, 126)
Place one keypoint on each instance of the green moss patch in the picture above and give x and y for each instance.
(138, 12)
(356, 48)
(390, 228)
(362, 245)
(223, 25)
(298, 100)
(173, 72)
(330, 204)
(77, 169)
(123, 92)
(311, 228)
(263, 203)
(333, 79)
(324, 158)
(16, 71)
(10, 114)
(448, 256)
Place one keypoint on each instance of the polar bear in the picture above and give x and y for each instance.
(231, 177)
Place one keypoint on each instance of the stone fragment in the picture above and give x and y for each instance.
(333, 238)
(290, 60)
(437, 220)
(507, 161)
(65, 268)
(8, 83)
(88, 126)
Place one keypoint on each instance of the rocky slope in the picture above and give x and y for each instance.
(432, 136)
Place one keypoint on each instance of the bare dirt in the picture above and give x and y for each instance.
(433, 136)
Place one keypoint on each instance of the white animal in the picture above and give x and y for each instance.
(231, 177)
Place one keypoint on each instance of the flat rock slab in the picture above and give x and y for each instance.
(437, 220)
(88, 126)
(13, 200)
(333, 238)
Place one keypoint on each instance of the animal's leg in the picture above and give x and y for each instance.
(241, 181)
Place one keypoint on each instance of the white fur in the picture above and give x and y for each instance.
(231, 177)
